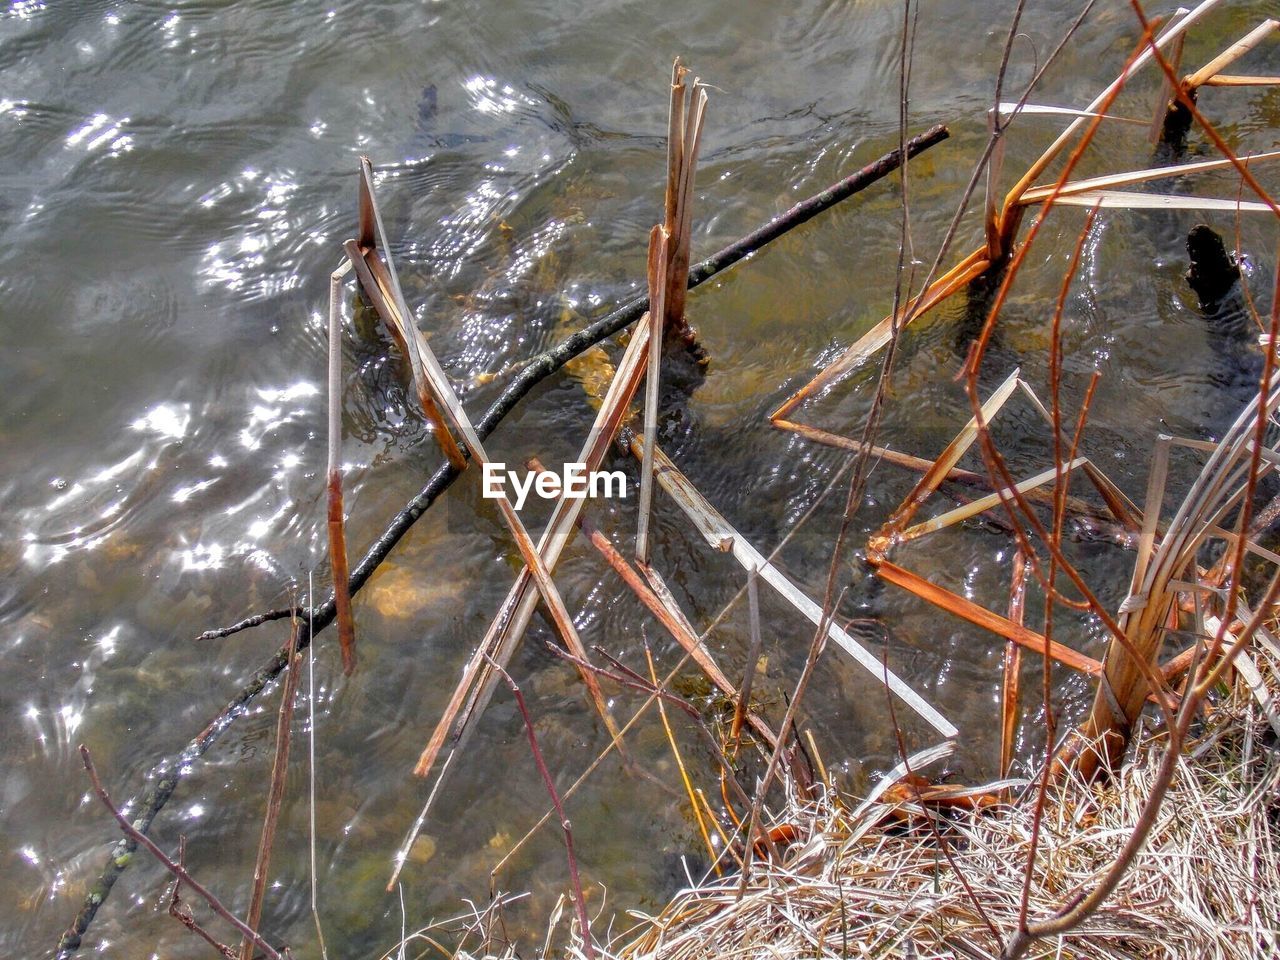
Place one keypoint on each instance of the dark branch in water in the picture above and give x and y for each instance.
(169, 772)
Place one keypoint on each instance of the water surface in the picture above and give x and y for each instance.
(177, 180)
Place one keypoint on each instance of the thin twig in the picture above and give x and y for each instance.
(182, 913)
(579, 901)
(178, 871)
(743, 706)
(275, 793)
(311, 784)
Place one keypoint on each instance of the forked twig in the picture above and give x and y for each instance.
(182, 913)
(176, 869)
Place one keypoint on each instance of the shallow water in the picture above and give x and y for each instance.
(177, 179)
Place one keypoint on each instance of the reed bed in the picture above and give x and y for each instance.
(861, 882)
(1170, 853)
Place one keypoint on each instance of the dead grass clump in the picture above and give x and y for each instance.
(1207, 883)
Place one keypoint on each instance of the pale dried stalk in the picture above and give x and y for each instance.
(275, 793)
(1037, 194)
(1229, 56)
(659, 252)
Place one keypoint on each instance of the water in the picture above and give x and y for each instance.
(177, 181)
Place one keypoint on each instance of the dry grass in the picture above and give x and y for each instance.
(1206, 885)
(859, 884)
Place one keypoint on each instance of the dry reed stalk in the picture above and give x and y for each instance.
(1010, 109)
(1094, 184)
(980, 616)
(950, 456)
(1206, 675)
(669, 252)
(336, 519)
(896, 531)
(983, 504)
(378, 278)
(1126, 200)
(476, 684)
(1245, 44)
(662, 605)
(458, 932)
(684, 136)
(1228, 80)
(382, 285)
(933, 291)
(675, 147)
(875, 339)
(475, 687)
(675, 624)
(659, 263)
(1009, 683)
(275, 792)
(379, 275)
